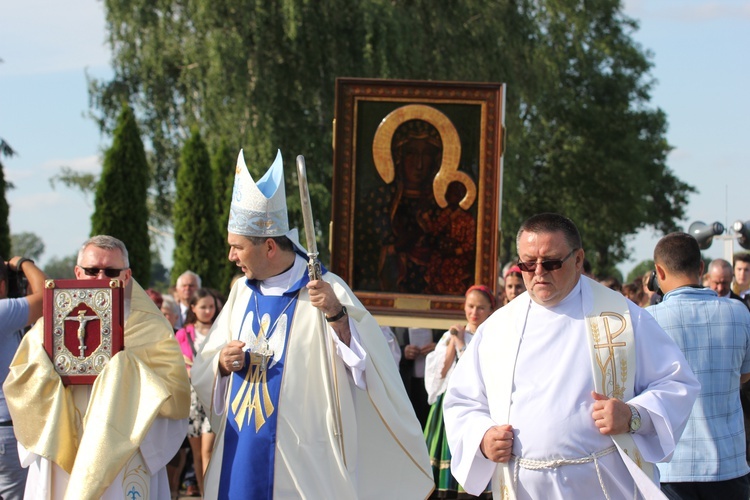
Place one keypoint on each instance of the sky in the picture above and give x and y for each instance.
(700, 65)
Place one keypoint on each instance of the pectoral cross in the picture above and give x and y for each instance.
(260, 353)
(82, 320)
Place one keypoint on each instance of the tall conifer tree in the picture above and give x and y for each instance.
(222, 164)
(120, 202)
(196, 233)
(5, 150)
(4, 213)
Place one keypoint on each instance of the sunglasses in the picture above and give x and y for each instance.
(108, 271)
(548, 265)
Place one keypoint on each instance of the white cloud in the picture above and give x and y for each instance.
(679, 154)
(37, 202)
(87, 164)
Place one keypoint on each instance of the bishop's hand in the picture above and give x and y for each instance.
(231, 357)
(323, 297)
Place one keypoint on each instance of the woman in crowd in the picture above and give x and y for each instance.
(514, 285)
(202, 312)
(479, 304)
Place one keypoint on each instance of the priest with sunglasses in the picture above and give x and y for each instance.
(569, 391)
(112, 439)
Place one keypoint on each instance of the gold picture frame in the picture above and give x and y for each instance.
(416, 194)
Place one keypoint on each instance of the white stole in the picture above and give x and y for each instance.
(613, 363)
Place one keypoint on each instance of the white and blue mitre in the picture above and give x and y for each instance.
(259, 209)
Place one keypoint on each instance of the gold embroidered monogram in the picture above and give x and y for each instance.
(612, 343)
(606, 360)
(253, 399)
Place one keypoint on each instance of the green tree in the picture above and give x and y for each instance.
(582, 139)
(196, 233)
(159, 273)
(5, 150)
(120, 203)
(27, 245)
(61, 267)
(640, 269)
(223, 164)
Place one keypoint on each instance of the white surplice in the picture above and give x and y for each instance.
(434, 382)
(49, 481)
(551, 404)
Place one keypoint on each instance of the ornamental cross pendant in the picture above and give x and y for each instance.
(261, 354)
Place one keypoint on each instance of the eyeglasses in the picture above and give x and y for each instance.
(548, 265)
(108, 271)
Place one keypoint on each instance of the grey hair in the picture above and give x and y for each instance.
(190, 273)
(720, 264)
(169, 302)
(105, 242)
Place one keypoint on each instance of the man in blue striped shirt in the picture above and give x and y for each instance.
(714, 335)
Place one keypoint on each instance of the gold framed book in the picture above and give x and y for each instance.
(83, 326)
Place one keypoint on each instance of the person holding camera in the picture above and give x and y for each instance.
(15, 314)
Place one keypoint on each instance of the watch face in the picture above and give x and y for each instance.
(635, 419)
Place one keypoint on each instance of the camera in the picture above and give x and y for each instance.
(653, 284)
(17, 283)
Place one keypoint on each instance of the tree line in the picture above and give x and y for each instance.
(582, 136)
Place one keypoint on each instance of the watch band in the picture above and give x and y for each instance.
(20, 262)
(338, 316)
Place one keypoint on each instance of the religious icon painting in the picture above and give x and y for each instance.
(83, 326)
(416, 192)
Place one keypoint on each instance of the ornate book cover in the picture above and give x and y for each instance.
(83, 326)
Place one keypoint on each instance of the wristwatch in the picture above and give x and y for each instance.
(338, 316)
(635, 419)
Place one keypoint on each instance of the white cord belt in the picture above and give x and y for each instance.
(533, 464)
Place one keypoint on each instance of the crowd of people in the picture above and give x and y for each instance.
(556, 385)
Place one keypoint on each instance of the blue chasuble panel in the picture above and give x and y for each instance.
(250, 431)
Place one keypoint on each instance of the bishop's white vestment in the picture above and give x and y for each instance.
(384, 452)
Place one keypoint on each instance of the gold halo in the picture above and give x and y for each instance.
(448, 172)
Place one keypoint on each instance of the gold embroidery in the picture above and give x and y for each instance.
(248, 399)
(594, 330)
(608, 366)
(506, 492)
(638, 459)
(136, 479)
(623, 379)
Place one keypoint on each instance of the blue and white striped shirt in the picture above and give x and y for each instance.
(714, 335)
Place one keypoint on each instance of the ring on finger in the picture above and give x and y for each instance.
(235, 364)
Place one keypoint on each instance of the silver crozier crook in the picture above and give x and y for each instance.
(313, 271)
